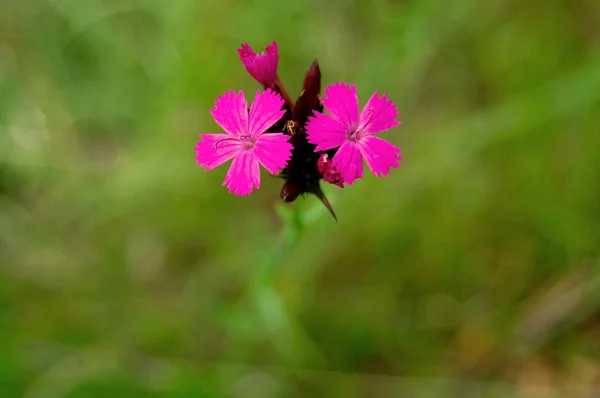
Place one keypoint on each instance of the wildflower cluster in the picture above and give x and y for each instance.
(297, 137)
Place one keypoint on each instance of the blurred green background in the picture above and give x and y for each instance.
(127, 271)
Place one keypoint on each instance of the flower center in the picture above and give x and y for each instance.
(247, 141)
(356, 135)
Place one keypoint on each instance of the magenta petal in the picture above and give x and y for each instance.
(231, 112)
(265, 112)
(342, 103)
(378, 115)
(273, 151)
(243, 175)
(216, 149)
(325, 132)
(379, 154)
(263, 66)
(348, 162)
(246, 53)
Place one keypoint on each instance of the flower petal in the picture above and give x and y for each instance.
(265, 112)
(216, 149)
(243, 175)
(378, 115)
(231, 112)
(379, 154)
(273, 151)
(342, 104)
(263, 66)
(348, 162)
(325, 132)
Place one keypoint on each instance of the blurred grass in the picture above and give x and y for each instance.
(472, 271)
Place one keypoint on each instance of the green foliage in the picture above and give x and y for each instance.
(125, 270)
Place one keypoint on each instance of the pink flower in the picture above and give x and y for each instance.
(263, 66)
(244, 141)
(353, 132)
(329, 173)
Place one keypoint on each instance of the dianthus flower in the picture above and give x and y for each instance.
(263, 66)
(353, 132)
(245, 141)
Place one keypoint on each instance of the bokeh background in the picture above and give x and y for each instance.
(472, 271)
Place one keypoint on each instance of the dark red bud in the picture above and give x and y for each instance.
(323, 163)
(329, 173)
(309, 98)
(333, 177)
(290, 192)
(312, 81)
